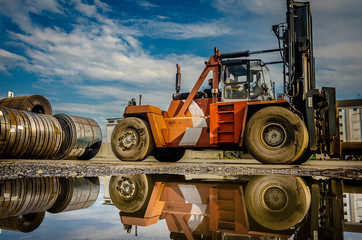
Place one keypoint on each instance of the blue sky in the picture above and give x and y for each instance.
(90, 57)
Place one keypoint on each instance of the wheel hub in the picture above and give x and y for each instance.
(274, 198)
(273, 135)
(126, 187)
(128, 139)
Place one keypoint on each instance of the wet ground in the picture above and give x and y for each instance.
(10, 169)
(166, 206)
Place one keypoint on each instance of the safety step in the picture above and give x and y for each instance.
(223, 112)
(231, 121)
(226, 132)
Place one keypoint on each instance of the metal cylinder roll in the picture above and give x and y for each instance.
(23, 223)
(75, 194)
(27, 195)
(28, 135)
(31, 103)
(82, 137)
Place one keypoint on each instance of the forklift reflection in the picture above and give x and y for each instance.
(250, 207)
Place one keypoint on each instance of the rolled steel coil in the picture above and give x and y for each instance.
(31, 103)
(75, 194)
(28, 135)
(82, 137)
(23, 223)
(27, 195)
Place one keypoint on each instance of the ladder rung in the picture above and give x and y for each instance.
(226, 211)
(226, 111)
(225, 200)
(227, 222)
(225, 121)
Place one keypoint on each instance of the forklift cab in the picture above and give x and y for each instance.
(245, 80)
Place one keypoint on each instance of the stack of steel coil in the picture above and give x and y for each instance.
(28, 135)
(25, 134)
(82, 137)
(75, 194)
(23, 201)
(27, 195)
(31, 103)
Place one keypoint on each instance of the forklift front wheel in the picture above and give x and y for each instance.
(130, 193)
(277, 202)
(132, 140)
(276, 135)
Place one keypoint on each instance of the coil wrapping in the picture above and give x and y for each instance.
(75, 194)
(28, 135)
(82, 137)
(27, 195)
(22, 223)
(31, 103)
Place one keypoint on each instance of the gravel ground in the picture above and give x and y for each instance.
(10, 169)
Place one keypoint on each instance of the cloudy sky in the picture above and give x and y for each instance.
(90, 57)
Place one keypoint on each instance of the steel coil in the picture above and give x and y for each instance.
(23, 223)
(31, 103)
(28, 135)
(82, 137)
(75, 194)
(27, 195)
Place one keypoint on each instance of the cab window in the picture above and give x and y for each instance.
(235, 81)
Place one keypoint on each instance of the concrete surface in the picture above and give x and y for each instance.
(217, 167)
(106, 152)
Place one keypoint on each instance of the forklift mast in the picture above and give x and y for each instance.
(296, 44)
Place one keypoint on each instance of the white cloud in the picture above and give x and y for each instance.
(147, 5)
(259, 7)
(11, 56)
(172, 30)
(342, 73)
(9, 60)
(340, 50)
(19, 11)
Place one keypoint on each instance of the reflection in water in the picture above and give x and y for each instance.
(247, 207)
(233, 207)
(23, 202)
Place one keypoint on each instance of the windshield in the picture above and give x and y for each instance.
(235, 81)
(247, 80)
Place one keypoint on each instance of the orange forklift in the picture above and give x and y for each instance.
(240, 111)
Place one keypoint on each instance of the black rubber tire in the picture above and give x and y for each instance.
(305, 157)
(142, 139)
(142, 186)
(168, 154)
(293, 141)
(277, 202)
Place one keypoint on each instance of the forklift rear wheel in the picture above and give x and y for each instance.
(168, 154)
(276, 135)
(277, 202)
(130, 193)
(132, 140)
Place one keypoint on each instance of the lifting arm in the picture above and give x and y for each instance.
(212, 65)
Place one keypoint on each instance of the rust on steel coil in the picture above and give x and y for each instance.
(28, 135)
(27, 195)
(75, 194)
(31, 103)
(82, 137)
(23, 223)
